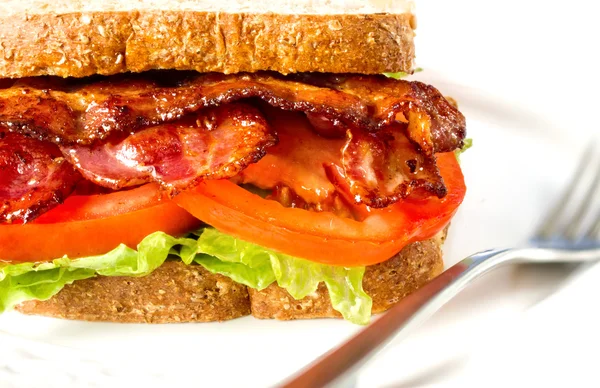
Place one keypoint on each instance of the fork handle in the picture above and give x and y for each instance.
(338, 365)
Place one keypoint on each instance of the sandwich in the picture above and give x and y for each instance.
(186, 161)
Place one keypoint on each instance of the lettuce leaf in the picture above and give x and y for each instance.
(41, 281)
(398, 75)
(402, 74)
(243, 262)
(30, 283)
(258, 267)
(468, 143)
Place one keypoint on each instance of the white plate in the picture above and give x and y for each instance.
(529, 128)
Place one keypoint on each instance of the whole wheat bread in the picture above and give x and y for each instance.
(71, 38)
(178, 293)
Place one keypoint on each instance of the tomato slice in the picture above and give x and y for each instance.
(322, 236)
(88, 207)
(95, 224)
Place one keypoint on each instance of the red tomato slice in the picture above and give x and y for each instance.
(324, 237)
(94, 225)
(87, 207)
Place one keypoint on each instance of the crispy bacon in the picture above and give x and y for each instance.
(179, 128)
(217, 143)
(433, 122)
(86, 112)
(375, 169)
(34, 177)
(382, 168)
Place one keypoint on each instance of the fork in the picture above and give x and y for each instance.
(564, 237)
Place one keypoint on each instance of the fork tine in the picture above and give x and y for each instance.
(577, 221)
(552, 222)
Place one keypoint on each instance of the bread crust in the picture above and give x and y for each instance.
(84, 44)
(386, 283)
(174, 292)
(179, 293)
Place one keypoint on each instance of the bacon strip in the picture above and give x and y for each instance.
(85, 113)
(179, 128)
(375, 169)
(215, 144)
(433, 122)
(34, 177)
(382, 168)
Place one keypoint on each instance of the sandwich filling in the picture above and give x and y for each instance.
(261, 177)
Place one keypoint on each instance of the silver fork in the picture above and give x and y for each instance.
(565, 236)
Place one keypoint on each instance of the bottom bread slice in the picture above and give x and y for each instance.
(386, 283)
(176, 292)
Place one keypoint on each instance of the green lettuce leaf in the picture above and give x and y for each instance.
(401, 74)
(243, 262)
(40, 281)
(468, 143)
(398, 75)
(258, 267)
(24, 282)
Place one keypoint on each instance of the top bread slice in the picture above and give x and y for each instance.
(75, 38)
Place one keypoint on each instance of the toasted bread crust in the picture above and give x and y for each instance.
(179, 293)
(174, 292)
(84, 44)
(386, 283)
